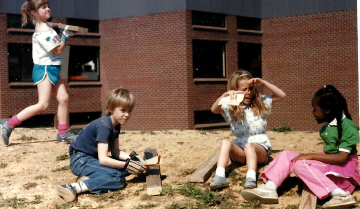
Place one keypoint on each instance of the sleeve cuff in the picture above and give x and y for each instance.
(344, 150)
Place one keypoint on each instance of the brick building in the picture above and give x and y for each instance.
(175, 56)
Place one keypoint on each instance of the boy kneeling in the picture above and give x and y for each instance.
(89, 158)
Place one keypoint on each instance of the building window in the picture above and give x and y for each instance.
(249, 57)
(208, 19)
(84, 63)
(20, 62)
(206, 116)
(83, 118)
(92, 25)
(209, 59)
(249, 23)
(15, 21)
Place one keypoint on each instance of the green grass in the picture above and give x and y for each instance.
(205, 198)
(251, 205)
(292, 207)
(64, 168)
(27, 138)
(64, 206)
(62, 157)
(284, 128)
(29, 185)
(144, 206)
(13, 202)
(236, 177)
(114, 196)
(3, 165)
(167, 190)
(41, 177)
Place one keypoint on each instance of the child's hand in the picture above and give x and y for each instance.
(136, 157)
(256, 82)
(304, 157)
(232, 94)
(134, 167)
(67, 33)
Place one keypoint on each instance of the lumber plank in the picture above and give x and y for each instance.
(71, 27)
(308, 199)
(204, 171)
(153, 178)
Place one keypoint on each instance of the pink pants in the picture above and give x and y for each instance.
(312, 172)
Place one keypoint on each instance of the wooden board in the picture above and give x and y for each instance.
(153, 178)
(204, 171)
(308, 199)
(71, 27)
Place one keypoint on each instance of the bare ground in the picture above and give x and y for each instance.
(34, 163)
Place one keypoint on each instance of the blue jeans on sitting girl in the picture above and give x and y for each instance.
(102, 178)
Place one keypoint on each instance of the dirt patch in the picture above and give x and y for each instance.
(35, 163)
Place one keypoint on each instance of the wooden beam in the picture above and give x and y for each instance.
(153, 178)
(204, 171)
(71, 27)
(308, 199)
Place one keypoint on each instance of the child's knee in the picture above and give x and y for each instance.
(63, 98)
(225, 143)
(249, 146)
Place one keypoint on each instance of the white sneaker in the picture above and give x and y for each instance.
(262, 194)
(340, 201)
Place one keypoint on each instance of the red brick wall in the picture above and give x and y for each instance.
(147, 55)
(303, 53)
(13, 100)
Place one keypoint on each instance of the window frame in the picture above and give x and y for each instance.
(224, 62)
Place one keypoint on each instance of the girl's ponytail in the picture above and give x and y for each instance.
(26, 12)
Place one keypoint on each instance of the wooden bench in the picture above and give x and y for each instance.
(204, 171)
(308, 199)
(153, 177)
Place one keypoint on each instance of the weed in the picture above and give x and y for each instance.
(37, 199)
(144, 206)
(113, 196)
(187, 171)
(3, 165)
(64, 206)
(182, 206)
(236, 177)
(142, 132)
(13, 202)
(28, 186)
(292, 207)
(137, 193)
(204, 198)
(64, 168)
(27, 138)
(251, 205)
(166, 131)
(62, 157)
(167, 190)
(146, 197)
(311, 131)
(284, 128)
(41, 177)
(152, 133)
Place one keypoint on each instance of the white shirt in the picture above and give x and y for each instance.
(253, 128)
(42, 44)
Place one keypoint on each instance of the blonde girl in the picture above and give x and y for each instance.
(47, 47)
(248, 123)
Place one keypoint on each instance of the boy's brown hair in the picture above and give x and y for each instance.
(119, 98)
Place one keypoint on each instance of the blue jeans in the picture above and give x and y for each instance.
(102, 178)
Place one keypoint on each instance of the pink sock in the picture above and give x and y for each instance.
(62, 128)
(14, 121)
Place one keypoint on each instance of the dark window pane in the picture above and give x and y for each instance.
(92, 25)
(208, 19)
(209, 59)
(20, 62)
(84, 63)
(38, 121)
(206, 116)
(83, 118)
(15, 21)
(250, 58)
(248, 23)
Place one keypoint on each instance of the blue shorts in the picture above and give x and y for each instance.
(40, 71)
